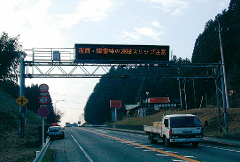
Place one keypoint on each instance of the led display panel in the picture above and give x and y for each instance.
(114, 52)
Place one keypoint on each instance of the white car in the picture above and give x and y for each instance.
(55, 132)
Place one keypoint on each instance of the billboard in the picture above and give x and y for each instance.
(159, 100)
(115, 103)
(114, 52)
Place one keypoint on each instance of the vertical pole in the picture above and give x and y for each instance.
(180, 92)
(22, 92)
(218, 105)
(43, 131)
(185, 95)
(224, 100)
(115, 114)
(206, 99)
(223, 67)
(145, 112)
(33, 56)
(194, 92)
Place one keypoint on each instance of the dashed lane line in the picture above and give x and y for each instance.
(162, 155)
(146, 147)
(190, 156)
(219, 148)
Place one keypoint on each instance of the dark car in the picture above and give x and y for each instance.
(55, 132)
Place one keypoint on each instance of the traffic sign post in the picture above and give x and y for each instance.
(22, 100)
(43, 100)
(43, 88)
(43, 112)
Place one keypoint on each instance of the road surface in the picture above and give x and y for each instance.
(89, 144)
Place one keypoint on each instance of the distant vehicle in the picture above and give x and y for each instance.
(74, 125)
(55, 132)
(55, 124)
(68, 124)
(176, 128)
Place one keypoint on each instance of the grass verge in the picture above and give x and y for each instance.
(14, 148)
(49, 156)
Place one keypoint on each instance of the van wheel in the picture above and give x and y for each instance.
(166, 142)
(152, 140)
(195, 144)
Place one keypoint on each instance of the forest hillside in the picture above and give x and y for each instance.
(199, 92)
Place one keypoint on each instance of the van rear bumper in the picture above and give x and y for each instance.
(185, 140)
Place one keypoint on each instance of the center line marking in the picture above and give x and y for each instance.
(146, 147)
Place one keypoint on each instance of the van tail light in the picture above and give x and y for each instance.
(170, 132)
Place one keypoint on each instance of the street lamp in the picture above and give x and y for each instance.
(56, 106)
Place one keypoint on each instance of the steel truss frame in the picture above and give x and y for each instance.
(87, 70)
(40, 63)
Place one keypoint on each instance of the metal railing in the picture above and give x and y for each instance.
(40, 154)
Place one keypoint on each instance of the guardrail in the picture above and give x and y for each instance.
(40, 154)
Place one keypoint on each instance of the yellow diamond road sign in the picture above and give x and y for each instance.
(22, 101)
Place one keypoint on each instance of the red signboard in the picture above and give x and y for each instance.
(159, 100)
(115, 103)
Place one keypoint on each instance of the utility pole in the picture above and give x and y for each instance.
(225, 89)
(185, 95)
(180, 93)
(223, 66)
(22, 110)
(194, 93)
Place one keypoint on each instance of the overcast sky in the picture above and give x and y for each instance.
(62, 23)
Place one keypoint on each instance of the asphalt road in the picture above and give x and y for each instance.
(87, 144)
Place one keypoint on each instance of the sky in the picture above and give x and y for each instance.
(62, 23)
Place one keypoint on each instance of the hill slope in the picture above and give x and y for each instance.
(14, 148)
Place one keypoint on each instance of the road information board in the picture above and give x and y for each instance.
(111, 52)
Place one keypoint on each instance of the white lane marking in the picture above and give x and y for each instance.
(148, 150)
(159, 148)
(179, 160)
(189, 156)
(162, 155)
(172, 152)
(85, 153)
(138, 147)
(220, 148)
